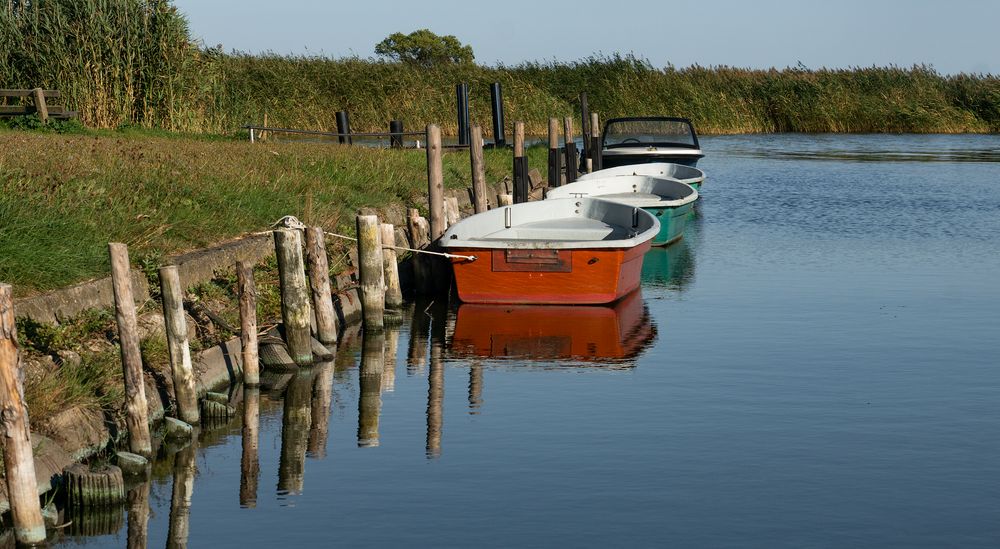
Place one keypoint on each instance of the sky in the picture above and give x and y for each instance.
(951, 35)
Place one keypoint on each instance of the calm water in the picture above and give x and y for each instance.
(817, 363)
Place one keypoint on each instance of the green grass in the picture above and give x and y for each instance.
(64, 197)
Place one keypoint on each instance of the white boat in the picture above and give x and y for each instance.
(641, 139)
(685, 174)
(668, 199)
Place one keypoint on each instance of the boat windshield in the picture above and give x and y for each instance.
(649, 131)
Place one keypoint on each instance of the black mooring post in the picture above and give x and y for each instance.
(344, 128)
(462, 106)
(496, 102)
(521, 180)
(585, 117)
(396, 134)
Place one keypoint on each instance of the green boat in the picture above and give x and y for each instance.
(685, 174)
(669, 200)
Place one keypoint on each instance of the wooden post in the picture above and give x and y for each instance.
(452, 214)
(178, 345)
(40, 106)
(390, 268)
(555, 169)
(319, 283)
(585, 126)
(521, 183)
(419, 239)
(295, 310)
(571, 158)
(370, 272)
(370, 399)
(136, 411)
(596, 148)
(249, 460)
(435, 182)
(18, 461)
(505, 199)
(247, 290)
(478, 171)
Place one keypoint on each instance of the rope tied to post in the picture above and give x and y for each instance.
(292, 222)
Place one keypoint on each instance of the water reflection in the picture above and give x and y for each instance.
(322, 397)
(138, 516)
(435, 378)
(475, 387)
(547, 333)
(180, 498)
(671, 267)
(296, 420)
(420, 329)
(370, 399)
(249, 461)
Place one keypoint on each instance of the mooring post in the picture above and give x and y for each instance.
(571, 158)
(136, 412)
(390, 268)
(247, 290)
(18, 461)
(396, 134)
(496, 102)
(40, 107)
(344, 128)
(555, 169)
(370, 272)
(295, 311)
(478, 170)
(178, 346)
(595, 143)
(452, 213)
(419, 231)
(462, 105)
(584, 126)
(319, 283)
(521, 183)
(249, 460)
(435, 182)
(370, 398)
(505, 199)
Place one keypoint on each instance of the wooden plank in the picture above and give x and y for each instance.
(28, 93)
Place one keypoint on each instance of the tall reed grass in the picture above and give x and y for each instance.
(125, 62)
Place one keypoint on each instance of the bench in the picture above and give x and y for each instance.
(38, 104)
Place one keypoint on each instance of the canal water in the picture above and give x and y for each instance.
(816, 363)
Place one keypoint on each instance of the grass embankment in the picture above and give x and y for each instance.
(152, 75)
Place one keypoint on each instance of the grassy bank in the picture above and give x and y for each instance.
(64, 197)
(151, 75)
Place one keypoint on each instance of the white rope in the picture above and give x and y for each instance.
(292, 222)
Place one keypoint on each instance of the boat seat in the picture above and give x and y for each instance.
(567, 229)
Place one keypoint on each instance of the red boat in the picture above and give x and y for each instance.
(561, 251)
(554, 332)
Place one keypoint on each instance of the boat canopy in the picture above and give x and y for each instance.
(653, 131)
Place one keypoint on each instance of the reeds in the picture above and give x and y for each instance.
(123, 62)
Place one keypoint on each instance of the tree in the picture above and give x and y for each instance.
(423, 47)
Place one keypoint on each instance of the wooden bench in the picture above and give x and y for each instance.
(38, 104)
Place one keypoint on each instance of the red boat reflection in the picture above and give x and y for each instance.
(615, 332)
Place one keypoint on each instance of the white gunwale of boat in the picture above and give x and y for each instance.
(641, 191)
(557, 224)
(680, 172)
(651, 150)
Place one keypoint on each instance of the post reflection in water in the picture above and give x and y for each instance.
(180, 499)
(420, 326)
(249, 461)
(322, 397)
(475, 387)
(138, 516)
(435, 378)
(391, 350)
(589, 333)
(370, 379)
(295, 422)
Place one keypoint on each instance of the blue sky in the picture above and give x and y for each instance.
(952, 35)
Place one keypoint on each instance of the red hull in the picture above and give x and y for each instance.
(585, 276)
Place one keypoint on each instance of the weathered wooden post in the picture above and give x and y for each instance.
(555, 169)
(370, 399)
(18, 461)
(178, 346)
(571, 158)
(478, 171)
(585, 127)
(295, 310)
(136, 412)
(505, 199)
(319, 283)
(296, 418)
(521, 183)
(249, 460)
(596, 147)
(247, 290)
(390, 268)
(370, 272)
(452, 213)
(419, 239)
(40, 105)
(322, 396)
(435, 182)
